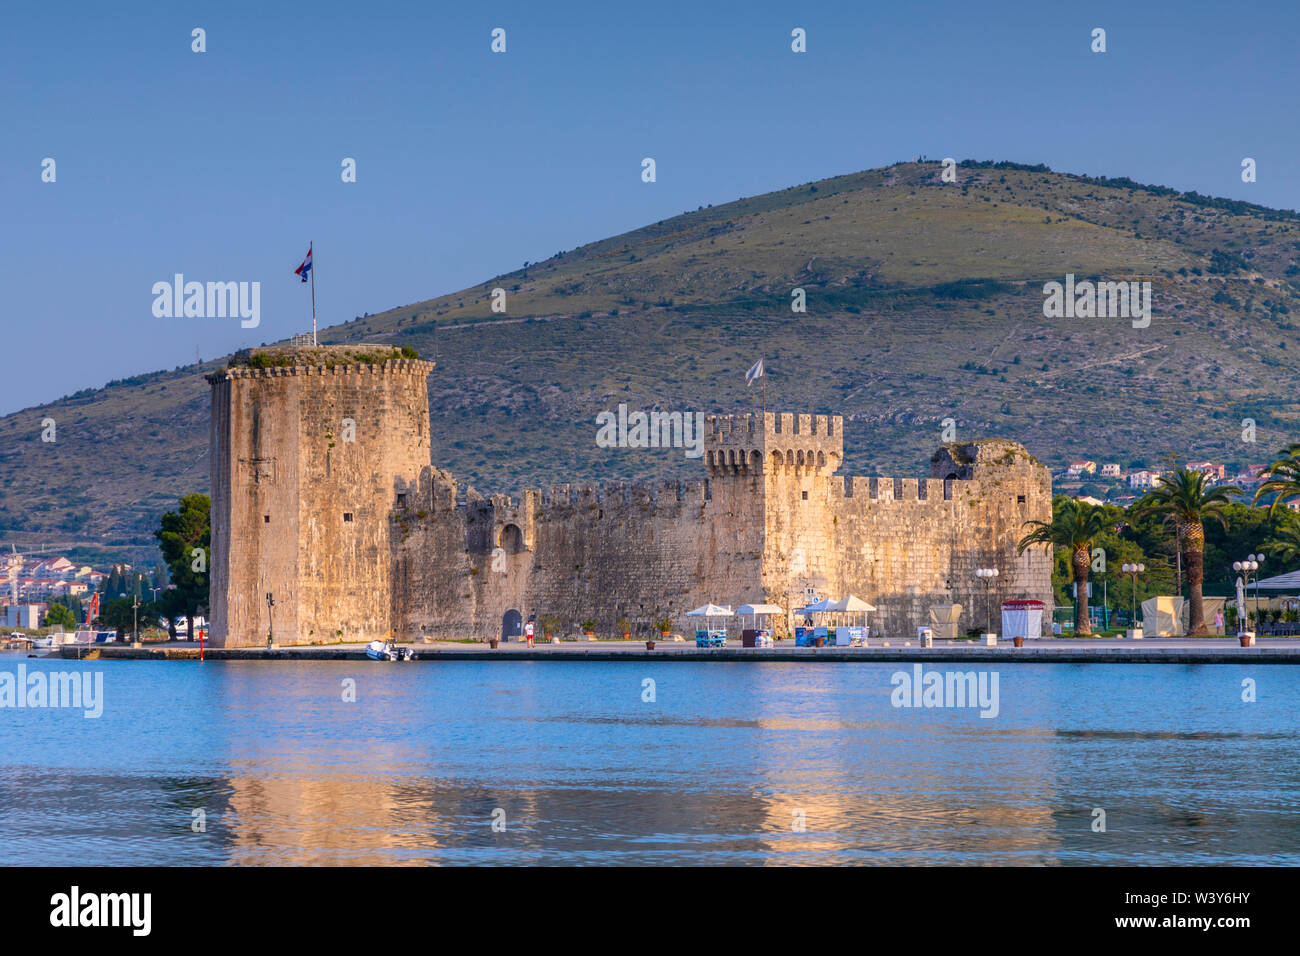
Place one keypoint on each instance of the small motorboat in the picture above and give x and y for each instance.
(386, 651)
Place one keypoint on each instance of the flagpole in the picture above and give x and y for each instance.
(312, 251)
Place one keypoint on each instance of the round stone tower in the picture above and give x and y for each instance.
(308, 446)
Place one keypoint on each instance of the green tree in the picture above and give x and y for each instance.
(1183, 500)
(1074, 526)
(1284, 478)
(171, 605)
(183, 533)
(1244, 531)
(1284, 545)
(119, 614)
(58, 615)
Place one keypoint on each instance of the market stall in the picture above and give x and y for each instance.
(759, 631)
(714, 631)
(850, 622)
(1022, 619)
(815, 615)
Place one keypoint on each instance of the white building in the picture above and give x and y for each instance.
(1143, 479)
(1078, 468)
(24, 615)
(1111, 470)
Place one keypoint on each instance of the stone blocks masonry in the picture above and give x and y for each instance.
(358, 536)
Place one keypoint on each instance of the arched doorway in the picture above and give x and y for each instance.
(512, 625)
(512, 539)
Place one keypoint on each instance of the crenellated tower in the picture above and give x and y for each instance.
(309, 448)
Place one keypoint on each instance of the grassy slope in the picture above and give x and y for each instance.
(671, 315)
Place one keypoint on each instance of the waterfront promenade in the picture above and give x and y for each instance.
(1154, 650)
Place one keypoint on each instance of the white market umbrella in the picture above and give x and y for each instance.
(710, 610)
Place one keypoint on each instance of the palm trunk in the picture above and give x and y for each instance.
(1193, 538)
(1081, 559)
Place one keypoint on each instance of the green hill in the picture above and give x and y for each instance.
(924, 302)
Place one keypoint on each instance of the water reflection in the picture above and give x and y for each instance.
(724, 766)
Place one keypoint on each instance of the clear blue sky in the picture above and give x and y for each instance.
(222, 165)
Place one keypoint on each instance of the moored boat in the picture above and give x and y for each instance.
(387, 651)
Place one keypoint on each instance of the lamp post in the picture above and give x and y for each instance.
(1133, 570)
(1251, 564)
(135, 614)
(270, 622)
(987, 575)
(1257, 560)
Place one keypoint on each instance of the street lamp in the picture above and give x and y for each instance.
(987, 575)
(270, 623)
(1258, 559)
(1251, 564)
(1133, 570)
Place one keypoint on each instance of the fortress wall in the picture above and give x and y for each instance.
(254, 478)
(917, 542)
(283, 479)
(345, 564)
(365, 539)
(597, 552)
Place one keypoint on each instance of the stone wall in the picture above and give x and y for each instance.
(365, 538)
(302, 500)
(579, 552)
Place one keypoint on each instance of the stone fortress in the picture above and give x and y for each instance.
(324, 497)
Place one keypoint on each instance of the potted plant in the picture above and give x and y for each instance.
(550, 624)
(589, 629)
(625, 628)
(664, 627)
(1018, 640)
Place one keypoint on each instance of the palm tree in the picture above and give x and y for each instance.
(1285, 543)
(1284, 478)
(1184, 500)
(1075, 525)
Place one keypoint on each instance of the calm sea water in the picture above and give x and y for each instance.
(719, 769)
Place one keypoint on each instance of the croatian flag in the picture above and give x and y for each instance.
(305, 269)
(755, 372)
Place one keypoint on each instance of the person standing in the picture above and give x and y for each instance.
(528, 630)
(1218, 621)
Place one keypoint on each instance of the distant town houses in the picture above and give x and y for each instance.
(1118, 486)
(27, 580)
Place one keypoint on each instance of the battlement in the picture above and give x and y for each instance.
(981, 458)
(901, 489)
(773, 443)
(277, 361)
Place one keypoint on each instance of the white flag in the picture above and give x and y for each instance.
(755, 372)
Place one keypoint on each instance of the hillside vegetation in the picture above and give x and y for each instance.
(924, 302)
